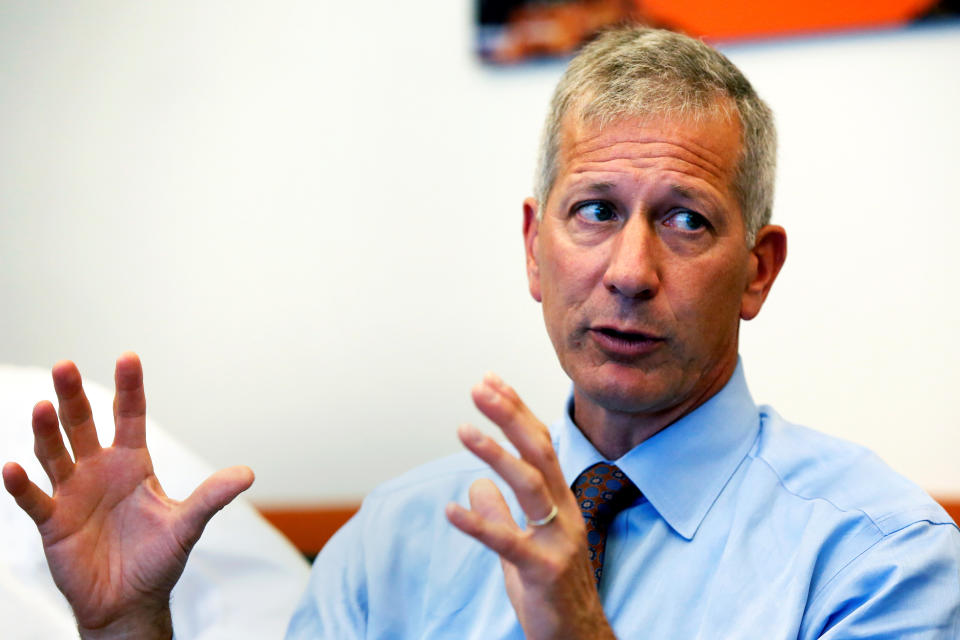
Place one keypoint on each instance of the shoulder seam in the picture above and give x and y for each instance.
(786, 488)
(922, 511)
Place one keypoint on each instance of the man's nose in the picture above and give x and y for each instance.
(633, 269)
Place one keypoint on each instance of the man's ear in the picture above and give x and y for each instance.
(531, 227)
(766, 258)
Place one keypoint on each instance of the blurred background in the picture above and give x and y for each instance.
(305, 217)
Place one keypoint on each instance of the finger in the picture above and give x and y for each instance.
(489, 521)
(213, 494)
(503, 406)
(525, 480)
(30, 497)
(75, 414)
(48, 444)
(129, 403)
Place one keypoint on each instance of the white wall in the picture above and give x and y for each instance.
(305, 216)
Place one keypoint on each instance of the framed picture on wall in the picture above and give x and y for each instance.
(511, 31)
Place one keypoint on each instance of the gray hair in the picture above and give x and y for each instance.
(633, 71)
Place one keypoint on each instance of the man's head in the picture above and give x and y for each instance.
(639, 72)
(638, 246)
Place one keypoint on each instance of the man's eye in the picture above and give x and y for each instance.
(686, 220)
(596, 211)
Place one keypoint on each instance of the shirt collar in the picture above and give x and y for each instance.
(682, 469)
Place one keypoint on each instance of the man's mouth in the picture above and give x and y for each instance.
(618, 342)
(626, 336)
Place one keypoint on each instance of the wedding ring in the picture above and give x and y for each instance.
(544, 520)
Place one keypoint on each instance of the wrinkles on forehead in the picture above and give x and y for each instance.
(643, 152)
(704, 148)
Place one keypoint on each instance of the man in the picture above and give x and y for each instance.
(694, 512)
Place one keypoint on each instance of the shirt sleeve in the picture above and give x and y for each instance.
(335, 602)
(905, 586)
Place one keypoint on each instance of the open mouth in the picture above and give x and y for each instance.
(625, 336)
(628, 345)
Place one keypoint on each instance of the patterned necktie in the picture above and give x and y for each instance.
(602, 492)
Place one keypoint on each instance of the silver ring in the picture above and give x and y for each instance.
(544, 520)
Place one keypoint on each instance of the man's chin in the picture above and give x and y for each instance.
(648, 395)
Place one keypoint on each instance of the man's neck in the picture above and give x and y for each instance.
(613, 433)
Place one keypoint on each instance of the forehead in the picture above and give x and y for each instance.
(705, 147)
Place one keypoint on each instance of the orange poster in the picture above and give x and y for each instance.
(515, 30)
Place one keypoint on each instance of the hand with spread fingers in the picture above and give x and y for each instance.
(115, 543)
(545, 565)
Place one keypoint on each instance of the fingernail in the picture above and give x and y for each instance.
(469, 433)
(485, 390)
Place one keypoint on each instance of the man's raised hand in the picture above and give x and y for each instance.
(115, 543)
(546, 567)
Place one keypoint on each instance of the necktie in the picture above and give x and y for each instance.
(602, 492)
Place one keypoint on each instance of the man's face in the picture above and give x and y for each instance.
(641, 263)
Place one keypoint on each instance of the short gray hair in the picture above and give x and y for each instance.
(634, 71)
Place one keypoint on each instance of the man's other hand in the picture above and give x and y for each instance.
(546, 567)
(115, 543)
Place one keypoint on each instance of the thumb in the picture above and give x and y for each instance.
(487, 501)
(213, 494)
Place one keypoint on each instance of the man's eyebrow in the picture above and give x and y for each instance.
(686, 192)
(601, 187)
(693, 194)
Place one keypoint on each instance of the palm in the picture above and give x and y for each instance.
(110, 545)
(545, 567)
(115, 543)
(545, 597)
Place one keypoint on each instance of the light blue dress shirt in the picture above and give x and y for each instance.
(749, 527)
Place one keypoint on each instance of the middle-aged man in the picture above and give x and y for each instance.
(694, 513)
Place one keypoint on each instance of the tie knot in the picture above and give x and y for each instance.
(603, 491)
